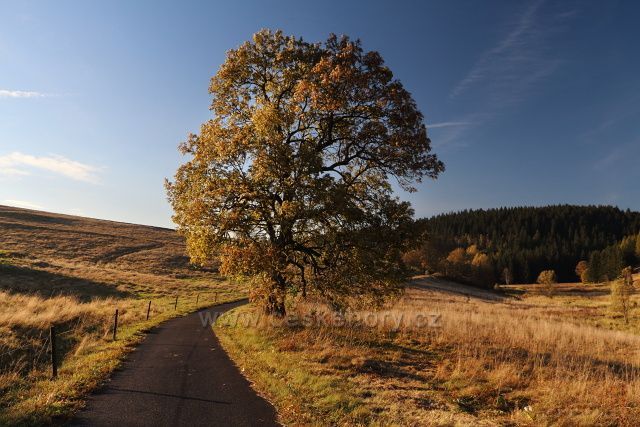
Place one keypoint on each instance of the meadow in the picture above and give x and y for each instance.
(513, 357)
(73, 273)
(442, 354)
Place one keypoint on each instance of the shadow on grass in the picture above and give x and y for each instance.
(34, 217)
(442, 284)
(46, 284)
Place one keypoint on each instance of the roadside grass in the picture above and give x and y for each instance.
(74, 272)
(29, 396)
(302, 394)
(534, 361)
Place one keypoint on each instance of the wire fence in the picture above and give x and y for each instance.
(51, 348)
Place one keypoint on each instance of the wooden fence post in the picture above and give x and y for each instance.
(54, 359)
(175, 305)
(115, 325)
(148, 309)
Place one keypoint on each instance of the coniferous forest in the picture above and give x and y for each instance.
(513, 245)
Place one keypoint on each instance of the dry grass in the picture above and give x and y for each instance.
(73, 273)
(25, 311)
(530, 360)
(43, 237)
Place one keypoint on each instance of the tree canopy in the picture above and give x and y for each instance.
(289, 183)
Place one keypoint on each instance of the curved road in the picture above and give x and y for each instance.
(178, 376)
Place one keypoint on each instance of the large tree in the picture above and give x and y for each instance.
(289, 182)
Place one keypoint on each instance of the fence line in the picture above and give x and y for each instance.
(50, 342)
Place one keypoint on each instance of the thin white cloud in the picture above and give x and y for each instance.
(447, 124)
(622, 111)
(18, 164)
(500, 55)
(619, 159)
(22, 204)
(452, 133)
(609, 160)
(505, 72)
(13, 172)
(6, 93)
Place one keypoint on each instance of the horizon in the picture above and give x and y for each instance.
(528, 104)
(415, 217)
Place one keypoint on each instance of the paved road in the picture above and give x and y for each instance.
(178, 376)
(440, 284)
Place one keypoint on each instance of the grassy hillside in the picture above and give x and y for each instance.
(74, 272)
(511, 358)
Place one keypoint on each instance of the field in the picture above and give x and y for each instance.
(73, 273)
(442, 354)
(514, 357)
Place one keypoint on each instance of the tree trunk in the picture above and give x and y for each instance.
(275, 301)
(275, 306)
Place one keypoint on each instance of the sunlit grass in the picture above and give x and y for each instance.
(28, 393)
(74, 273)
(537, 360)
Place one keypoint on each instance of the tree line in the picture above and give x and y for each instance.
(515, 244)
(607, 264)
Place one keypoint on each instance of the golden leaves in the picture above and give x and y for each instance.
(266, 122)
(289, 180)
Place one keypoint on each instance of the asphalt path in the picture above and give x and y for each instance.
(178, 376)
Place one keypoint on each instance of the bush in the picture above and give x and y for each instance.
(547, 279)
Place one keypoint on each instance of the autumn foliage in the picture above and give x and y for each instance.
(289, 182)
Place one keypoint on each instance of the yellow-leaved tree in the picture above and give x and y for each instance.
(621, 292)
(548, 279)
(288, 183)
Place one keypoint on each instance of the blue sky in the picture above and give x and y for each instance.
(527, 103)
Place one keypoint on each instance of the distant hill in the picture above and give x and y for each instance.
(527, 240)
(47, 254)
(44, 236)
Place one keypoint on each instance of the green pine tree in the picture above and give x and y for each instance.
(594, 274)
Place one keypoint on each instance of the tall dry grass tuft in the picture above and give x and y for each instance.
(25, 321)
(81, 327)
(32, 311)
